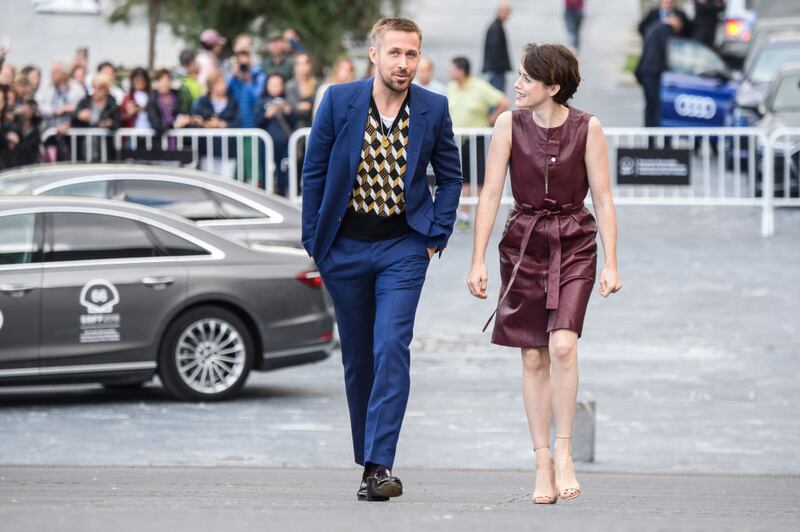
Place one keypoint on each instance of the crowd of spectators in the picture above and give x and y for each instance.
(276, 91)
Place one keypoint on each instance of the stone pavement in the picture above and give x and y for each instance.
(100, 499)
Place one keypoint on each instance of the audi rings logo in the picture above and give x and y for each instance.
(99, 296)
(695, 106)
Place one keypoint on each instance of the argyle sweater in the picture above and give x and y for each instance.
(377, 205)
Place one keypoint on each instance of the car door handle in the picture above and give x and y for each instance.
(158, 281)
(16, 290)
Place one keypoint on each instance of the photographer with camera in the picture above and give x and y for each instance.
(245, 85)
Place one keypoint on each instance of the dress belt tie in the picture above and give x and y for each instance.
(550, 213)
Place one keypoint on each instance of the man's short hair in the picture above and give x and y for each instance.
(104, 64)
(462, 63)
(393, 24)
(186, 57)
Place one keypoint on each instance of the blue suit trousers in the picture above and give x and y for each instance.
(375, 287)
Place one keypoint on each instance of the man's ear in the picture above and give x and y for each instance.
(554, 89)
(373, 54)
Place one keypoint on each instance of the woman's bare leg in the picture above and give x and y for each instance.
(563, 350)
(538, 409)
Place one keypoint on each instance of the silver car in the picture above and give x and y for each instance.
(103, 291)
(243, 211)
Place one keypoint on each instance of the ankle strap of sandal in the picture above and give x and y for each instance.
(547, 446)
(564, 436)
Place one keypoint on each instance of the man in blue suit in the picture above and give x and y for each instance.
(372, 226)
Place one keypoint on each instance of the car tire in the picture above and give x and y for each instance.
(206, 355)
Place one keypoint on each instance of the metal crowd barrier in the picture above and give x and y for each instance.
(245, 154)
(720, 166)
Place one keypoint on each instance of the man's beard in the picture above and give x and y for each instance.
(389, 83)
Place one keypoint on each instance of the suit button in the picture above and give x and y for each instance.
(552, 159)
(340, 219)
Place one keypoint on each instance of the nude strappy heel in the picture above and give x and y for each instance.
(569, 492)
(544, 499)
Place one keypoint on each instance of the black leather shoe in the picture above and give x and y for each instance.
(381, 485)
(361, 494)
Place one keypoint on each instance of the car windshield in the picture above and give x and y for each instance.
(787, 95)
(771, 60)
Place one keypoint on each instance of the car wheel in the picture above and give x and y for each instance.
(206, 355)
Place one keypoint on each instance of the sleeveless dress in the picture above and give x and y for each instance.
(548, 251)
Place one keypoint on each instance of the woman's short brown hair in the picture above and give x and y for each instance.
(553, 64)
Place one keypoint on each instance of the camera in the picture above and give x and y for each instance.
(244, 68)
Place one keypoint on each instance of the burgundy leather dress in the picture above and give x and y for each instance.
(548, 251)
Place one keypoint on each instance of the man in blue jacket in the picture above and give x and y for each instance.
(371, 225)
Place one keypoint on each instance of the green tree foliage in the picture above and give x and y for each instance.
(323, 24)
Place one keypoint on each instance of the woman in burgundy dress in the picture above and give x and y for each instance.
(548, 253)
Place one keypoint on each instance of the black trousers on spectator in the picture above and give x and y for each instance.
(466, 168)
(651, 85)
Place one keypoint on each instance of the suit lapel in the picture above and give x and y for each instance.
(418, 122)
(357, 120)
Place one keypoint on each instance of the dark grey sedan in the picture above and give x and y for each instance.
(104, 291)
(243, 211)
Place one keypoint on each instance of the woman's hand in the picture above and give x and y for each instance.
(610, 283)
(477, 280)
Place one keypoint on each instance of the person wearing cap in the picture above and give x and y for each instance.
(208, 58)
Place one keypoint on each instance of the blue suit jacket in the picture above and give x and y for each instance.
(333, 153)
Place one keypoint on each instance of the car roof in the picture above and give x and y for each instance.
(35, 176)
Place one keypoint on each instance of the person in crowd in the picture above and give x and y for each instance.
(208, 60)
(477, 104)
(343, 71)
(573, 18)
(78, 73)
(294, 40)
(107, 68)
(98, 109)
(216, 110)
(163, 108)
(279, 58)
(246, 85)
(241, 43)
(665, 9)
(555, 154)
(9, 139)
(8, 73)
(133, 109)
(274, 115)
(425, 77)
(58, 100)
(652, 64)
(191, 89)
(21, 132)
(496, 61)
(706, 18)
(34, 74)
(301, 90)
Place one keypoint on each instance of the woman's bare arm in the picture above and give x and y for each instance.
(596, 159)
(489, 202)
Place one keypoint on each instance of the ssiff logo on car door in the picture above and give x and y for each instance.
(100, 323)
